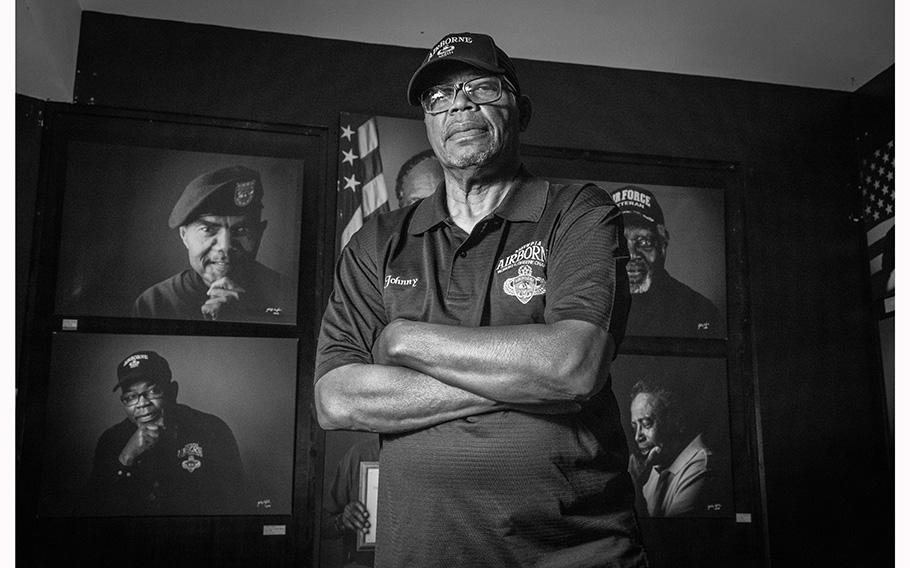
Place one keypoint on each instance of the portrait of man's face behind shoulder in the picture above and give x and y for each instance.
(677, 257)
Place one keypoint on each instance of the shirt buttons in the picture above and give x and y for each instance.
(463, 254)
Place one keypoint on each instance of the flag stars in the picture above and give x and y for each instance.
(890, 176)
(886, 158)
(349, 157)
(351, 182)
(877, 184)
(889, 209)
(346, 132)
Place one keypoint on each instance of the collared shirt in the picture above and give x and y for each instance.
(194, 469)
(672, 309)
(678, 490)
(504, 488)
(547, 253)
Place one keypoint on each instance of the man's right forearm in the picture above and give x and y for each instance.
(390, 399)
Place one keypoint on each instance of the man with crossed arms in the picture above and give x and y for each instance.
(474, 331)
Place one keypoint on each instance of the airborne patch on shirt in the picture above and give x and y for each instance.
(524, 285)
(532, 253)
(191, 452)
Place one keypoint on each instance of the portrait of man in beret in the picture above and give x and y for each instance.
(218, 218)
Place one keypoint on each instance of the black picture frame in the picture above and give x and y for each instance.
(248, 383)
(688, 540)
(696, 200)
(120, 177)
(695, 389)
(290, 534)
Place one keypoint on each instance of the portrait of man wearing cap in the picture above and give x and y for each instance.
(163, 458)
(474, 331)
(661, 304)
(218, 218)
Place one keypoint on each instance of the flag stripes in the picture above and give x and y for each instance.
(877, 185)
(361, 185)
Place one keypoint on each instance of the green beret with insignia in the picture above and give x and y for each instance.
(235, 190)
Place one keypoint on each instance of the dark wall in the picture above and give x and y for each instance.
(873, 105)
(29, 120)
(821, 423)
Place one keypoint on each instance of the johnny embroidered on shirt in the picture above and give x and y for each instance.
(524, 285)
(400, 282)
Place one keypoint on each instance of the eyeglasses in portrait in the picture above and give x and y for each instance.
(152, 425)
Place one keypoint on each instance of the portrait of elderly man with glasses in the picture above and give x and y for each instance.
(474, 331)
(164, 458)
(661, 304)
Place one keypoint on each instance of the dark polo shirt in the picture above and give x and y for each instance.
(504, 488)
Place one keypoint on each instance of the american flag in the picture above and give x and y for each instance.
(877, 186)
(361, 185)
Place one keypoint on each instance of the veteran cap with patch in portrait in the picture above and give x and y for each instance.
(639, 203)
(142, 365)
(234, 190)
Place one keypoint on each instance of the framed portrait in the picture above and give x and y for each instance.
(369, 496)
(343, 482)
(161, 216)
(675, 220)
(675, 412)
(211, 436)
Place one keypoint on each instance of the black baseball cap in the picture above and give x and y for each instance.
(142, 366)
(638, 201)
(476, 50)
(234, 190)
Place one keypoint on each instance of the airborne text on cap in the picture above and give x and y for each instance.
(133, 361)
(437, 50)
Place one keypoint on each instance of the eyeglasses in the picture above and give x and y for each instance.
(644, 244)
(151, 393)
(482, 90)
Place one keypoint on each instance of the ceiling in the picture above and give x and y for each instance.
(831, 44)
